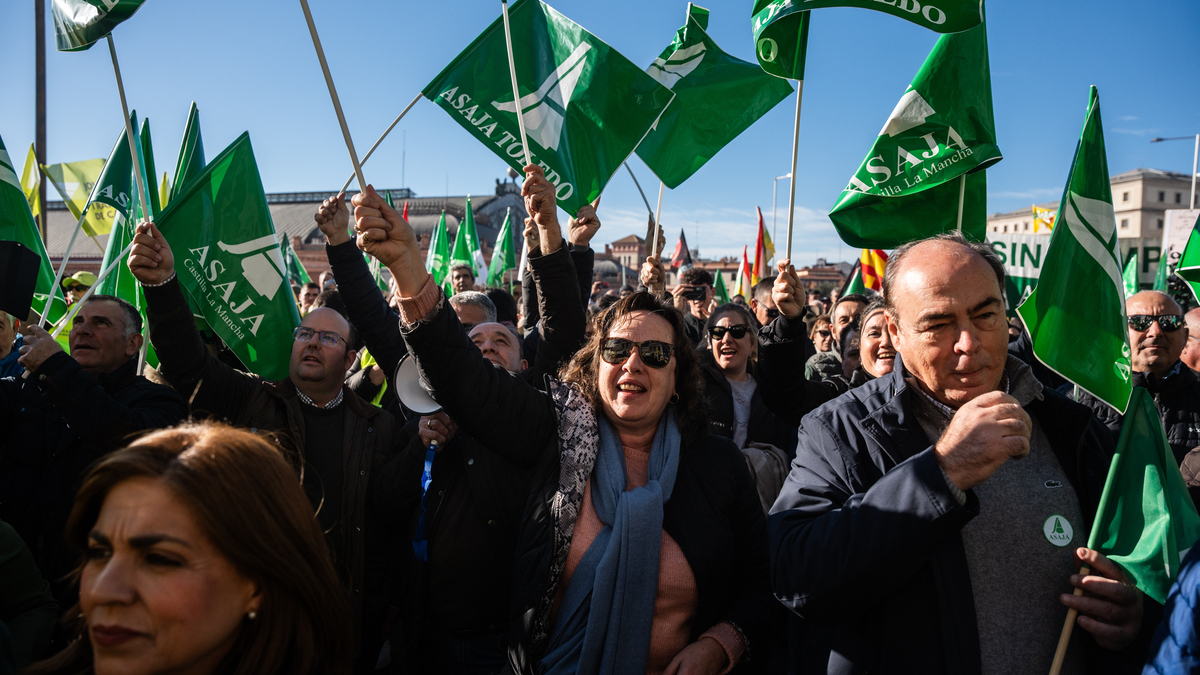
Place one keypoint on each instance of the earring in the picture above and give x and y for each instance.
(252, 615)
(674, 399)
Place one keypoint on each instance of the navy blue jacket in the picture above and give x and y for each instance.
(865, 542)
(1176, 647)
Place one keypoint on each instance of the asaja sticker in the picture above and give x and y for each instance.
(1058, 530)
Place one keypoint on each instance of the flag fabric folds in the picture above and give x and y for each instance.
(164, 190)
(780, 37)
(437, 261)
(720, 292)
(112, 188)
(1130, 275)
(466, 247)
(296, 273)
(16, 224)
(1188, 267)
(873, 262)
(1043, 218)
(764, 250)
(585, 106)
(1080, 283)
(504, 256)
(79, 23)
(30, 179)
(942, 129)
(1146, 521)
(190, 162)
(744, 286)
(854, 284)
(682, 256)
(717, 97)
(228, 258)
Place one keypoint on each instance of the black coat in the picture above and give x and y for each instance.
(865, 542)
(763, 426)
(713, 513)
(783, 349)
(1177, 397)
(57, 423)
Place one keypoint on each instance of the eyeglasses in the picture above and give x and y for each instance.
(654, 353)
(326, 337)
(772, 314)
(738, 332)
(824, 333)
(1168, 322)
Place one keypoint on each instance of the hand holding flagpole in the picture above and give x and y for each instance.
(337, 104)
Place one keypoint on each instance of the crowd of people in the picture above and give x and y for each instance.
(614, 480)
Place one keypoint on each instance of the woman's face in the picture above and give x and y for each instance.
(157, 595)
(875, 347)
(732, 354)
(822, 337)
(633, 394)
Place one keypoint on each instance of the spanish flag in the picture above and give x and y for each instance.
(873, 263)
(745, 286)
(764, 250)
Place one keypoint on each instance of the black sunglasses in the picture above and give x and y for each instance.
(772, 314)
(654, 353)
(1168, 322)
(738, 332)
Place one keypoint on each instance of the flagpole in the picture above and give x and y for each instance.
(512, 71)
(639, 187)
(658, 220)
(141, 366)
(137, 168)
(795, 152)
(962, 193)
(96, 284)
(337, 104)
(385, 135)
(62, 268)
(1064, 638)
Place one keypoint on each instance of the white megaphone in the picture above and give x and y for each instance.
(412, 390)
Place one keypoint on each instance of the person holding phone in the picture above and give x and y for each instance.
(695, 294)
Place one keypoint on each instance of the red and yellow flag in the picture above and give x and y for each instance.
(873, 263)
(763, 251)
(745, 285)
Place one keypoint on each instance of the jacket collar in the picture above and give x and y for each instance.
(1176, 379)
(119, 377)
(286, 389)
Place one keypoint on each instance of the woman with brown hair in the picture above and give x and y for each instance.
(202, 555)
(644, 547)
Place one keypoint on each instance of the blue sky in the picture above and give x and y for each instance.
(250, 66)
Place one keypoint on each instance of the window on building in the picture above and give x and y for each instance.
(1178, 197)
(1124, 196)
(1162, 196)
(1026, 227)
(1124, 223)
(1006, 228)
(1160, 223)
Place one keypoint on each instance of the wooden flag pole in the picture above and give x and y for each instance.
(337, 104)
(1064, 639)
(962, 194)
(385, 135)
(795, 152)
(639, 187)
(512, 71)
(137, 167)
(658, 221)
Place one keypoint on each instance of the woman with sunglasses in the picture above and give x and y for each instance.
(826, 361)
(736, 410)
(643, 548)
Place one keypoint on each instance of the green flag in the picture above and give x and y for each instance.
(717, 97)
(854, 284)
(113, 188)
(149, 170)
(1164, 271)
(504, 256)
(781, 26)
(586, 107)
(191, 153)
(295, 271)
(720, 291)
(1080, 283)
(910, 183)
(1187, 269)
(1146, 521)
(228, 258)
(16, 224)
(437, 261)
(466, 247)
(1130, 275)
(79, 23)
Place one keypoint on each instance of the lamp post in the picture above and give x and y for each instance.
(774, 193)
(1195, 157)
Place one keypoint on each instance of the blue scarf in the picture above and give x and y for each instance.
(603, 623)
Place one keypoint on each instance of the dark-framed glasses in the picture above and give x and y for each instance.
(1168, 322)
(327, 338)
(654, 353)
(772, 314)
(738, 332)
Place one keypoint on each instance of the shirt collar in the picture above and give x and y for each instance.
(328, 406)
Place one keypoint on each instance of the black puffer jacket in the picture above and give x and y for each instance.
(763, 426)
(1177, 397)
(55, 424)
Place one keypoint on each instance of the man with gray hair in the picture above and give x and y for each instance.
(70, 411)
(904, 536)
(473, 308)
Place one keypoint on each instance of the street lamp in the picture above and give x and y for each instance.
(1195, 157)
(774, 192)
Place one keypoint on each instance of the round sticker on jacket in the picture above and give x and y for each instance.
(1058, 530)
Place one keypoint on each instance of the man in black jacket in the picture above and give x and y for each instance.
(72, 410)
(905, 538)
(1157, 336)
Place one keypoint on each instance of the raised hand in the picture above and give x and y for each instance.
(984, 433)
(150, 260)
(333, 217)
(386, 236)
(584, 225)
(786, 292)
(542, 205)
(653, 276)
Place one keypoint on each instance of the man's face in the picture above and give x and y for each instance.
(949, 322)
(77, 291)
(308, 296)
(499, 346)
(1191, 352)
(764, 309)
(97, 339)
(1155, 350)
(8, 333)
(461, 280)
(318, 363)
(699, 308)
(845, 314)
